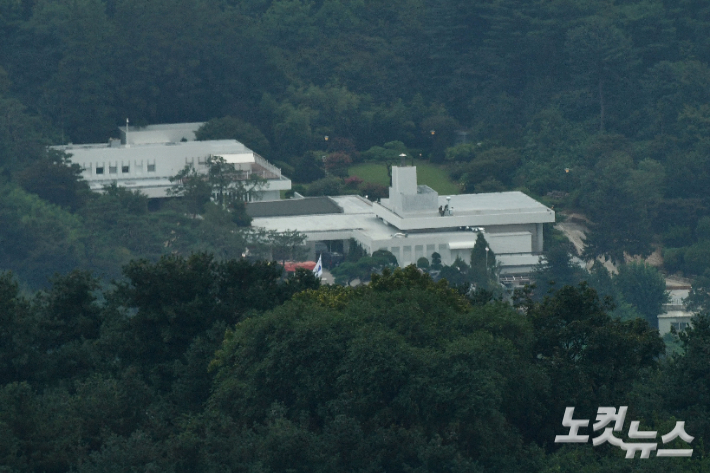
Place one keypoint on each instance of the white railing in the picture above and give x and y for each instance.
(267, 165)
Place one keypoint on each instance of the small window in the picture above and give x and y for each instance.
(125, 169)
(99, 170)
(113, 169)
(151, 168)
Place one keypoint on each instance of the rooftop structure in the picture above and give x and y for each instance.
(145, 159)
(416, 222)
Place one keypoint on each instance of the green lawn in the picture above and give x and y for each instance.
(433, 176)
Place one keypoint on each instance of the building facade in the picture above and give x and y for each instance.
(144, 159)
(415, 222)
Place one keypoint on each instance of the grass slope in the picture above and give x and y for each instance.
(427, 173)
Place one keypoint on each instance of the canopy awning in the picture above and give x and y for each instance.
(242, 158)
(461, 245)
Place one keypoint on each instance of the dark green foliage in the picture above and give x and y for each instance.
(644, 287)
(363, 268)
(493, 165)
(352, 372)
(308, 169)
(401, 373)
(326, 186)
(193, 188)
(622, 202)
(688, 379)
(229, 128)
(483, 269)
(457, 274)
(55, 180)
(199, 292)
(435, 261)
(587, 354)
(558, 269)
(37, 239)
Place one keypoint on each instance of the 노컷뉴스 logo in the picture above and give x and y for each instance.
(605, 415)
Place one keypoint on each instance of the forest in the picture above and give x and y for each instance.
(124, 345)
(199, 365)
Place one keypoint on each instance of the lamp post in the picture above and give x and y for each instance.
(487, 250)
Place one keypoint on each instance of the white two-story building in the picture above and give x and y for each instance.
(144, 159)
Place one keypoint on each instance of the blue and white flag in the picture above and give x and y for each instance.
(318, 270)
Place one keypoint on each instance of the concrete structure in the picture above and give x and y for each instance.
(144, 159)
(415, 221)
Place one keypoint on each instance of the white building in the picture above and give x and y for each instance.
(144, 159)
(415, 221)
(675, 315)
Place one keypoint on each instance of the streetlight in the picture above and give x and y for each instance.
(487, 250)
(402, 159)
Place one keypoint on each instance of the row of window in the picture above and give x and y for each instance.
(125, 168)
(679, 326)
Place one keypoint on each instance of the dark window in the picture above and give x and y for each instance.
(100, 170)
(151, 168)
(125, 169)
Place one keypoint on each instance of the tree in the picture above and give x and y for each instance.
(687, 381)
(590, 358)
(56, 180)
(483, 269)
(557, 269)
(600, 55)
(193, 187)
(230, 128)
(230, 185)
(644, 287)
(364, 267)
(621, 201)
(391, 376)
(457, 274)
(436, 261)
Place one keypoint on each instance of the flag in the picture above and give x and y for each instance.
(318, 270)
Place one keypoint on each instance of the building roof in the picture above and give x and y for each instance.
(243, 158)
(294, 207)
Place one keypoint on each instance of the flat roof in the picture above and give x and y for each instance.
(293, 207)
(478, 204)
(354, 213)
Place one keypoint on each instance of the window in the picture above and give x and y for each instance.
(151, 167)
(112, 169)
(125, 169)
(99, 169)
(679, 326)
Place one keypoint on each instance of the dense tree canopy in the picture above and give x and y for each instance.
(192, 364)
